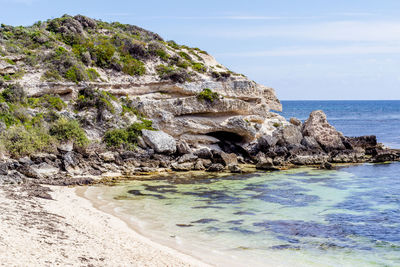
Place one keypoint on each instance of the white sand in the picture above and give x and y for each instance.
(69, 231)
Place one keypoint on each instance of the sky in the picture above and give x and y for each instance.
(306, 50)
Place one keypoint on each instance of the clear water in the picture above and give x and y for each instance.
(354, 118)
(299, 217)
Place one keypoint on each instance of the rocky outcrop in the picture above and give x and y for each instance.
(159, 141)
(326, 135)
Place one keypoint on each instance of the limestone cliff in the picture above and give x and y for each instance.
(163, 79)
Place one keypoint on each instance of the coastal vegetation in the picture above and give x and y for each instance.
(29, 125)
(208, 95)
(75, 48)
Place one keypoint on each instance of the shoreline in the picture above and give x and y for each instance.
(80, 192)
(70, 231)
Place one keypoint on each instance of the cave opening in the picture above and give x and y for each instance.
(227, 137)
(229, 142)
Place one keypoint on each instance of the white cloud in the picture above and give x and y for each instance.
(325, 31)
(319, 51)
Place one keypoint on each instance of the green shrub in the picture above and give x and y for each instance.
(91, 98)
(92, 74)
(133, 66)
(47, 101)
(116, 137)
(173, 44)
(51, 76)
(172, 73)
(127, 137)
(65, 63)
(14, 93)
(8, 119)
(161, 53)
(199, 67)
(276, 125)
(9, 61)
(64, 130)
(75, 74)
(208, 95)
(183, 64)
(102, 52)
(19, 141)
(185, 56)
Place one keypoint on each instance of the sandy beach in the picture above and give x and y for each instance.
(69, 231)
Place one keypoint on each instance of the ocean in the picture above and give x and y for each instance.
(298, 217)
(354, 118)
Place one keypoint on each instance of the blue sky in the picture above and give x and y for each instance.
(304, 49)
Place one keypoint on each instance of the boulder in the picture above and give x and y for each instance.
(365, 142)
(266, 164)
(107, 156)
(310, 142)
(25, 161)
(234, 168)
(183, 148)
(266, 141)
(325, 134)
(67, 146)
(216, 167)
(45, 169)
(295, 121)
(158, 140)
(386, 155)
(187, 166)
(199, 166)
(291, 135)
(29, 172)
(187, 158)
(229, 159)
(13, 177)
(141, 142)
(204, 153)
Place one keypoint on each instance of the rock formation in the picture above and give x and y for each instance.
(110, 99)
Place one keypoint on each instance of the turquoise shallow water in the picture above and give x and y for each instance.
(299, 217)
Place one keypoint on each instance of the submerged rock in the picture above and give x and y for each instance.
(266, 164)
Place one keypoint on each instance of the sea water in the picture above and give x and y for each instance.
(298, 217)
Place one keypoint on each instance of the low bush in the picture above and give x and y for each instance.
(156, 49)
(92, 74)
(171, 73)
(185, 56)
(173, 44)
(51, 76)
(76, 74)
(19, 141)
(64, 130)
(132, 66)
(48, 102)
(14, 93)
(208, 95)
(126, 138)
(199, 67)
(92, 98)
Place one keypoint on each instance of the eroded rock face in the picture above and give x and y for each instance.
(158, 140)
(243, 109)
(326, 135)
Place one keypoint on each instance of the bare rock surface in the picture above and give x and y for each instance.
(326, 135)
(161, 142)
